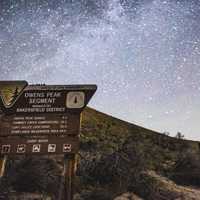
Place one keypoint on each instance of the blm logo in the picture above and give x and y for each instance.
(10, 91)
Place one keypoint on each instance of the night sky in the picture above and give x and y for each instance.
(143, 55)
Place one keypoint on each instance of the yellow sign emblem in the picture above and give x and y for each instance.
(10, 91)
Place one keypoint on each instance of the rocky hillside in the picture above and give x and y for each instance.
(117, 160)
(117, 157)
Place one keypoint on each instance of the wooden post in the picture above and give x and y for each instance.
(2, 165)
(73, 173)
(61, 186)
(69, 165)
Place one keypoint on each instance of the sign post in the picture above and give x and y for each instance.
(3, 160)
(42, 120)
(69, 161)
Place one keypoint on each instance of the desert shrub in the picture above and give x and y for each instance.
(34, 174)
(179, 135)
(97, 194)
(115, 167)
(143, 185)
(151, 186)
(4, 188)
(88, 144)
(187, 169)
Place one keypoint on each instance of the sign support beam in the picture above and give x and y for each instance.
(3, 160)
(69, 169)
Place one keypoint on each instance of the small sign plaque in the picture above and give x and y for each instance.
(36, 148)
(67, 148)
(21, 148)
(75, 100)
(52, 148)
(5, 149)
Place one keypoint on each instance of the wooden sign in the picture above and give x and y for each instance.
(52, 111)
(42, 120)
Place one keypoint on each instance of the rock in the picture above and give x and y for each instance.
(128, 196)
(157, 187)
(77, 197)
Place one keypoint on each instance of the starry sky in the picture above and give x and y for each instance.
(144, 55)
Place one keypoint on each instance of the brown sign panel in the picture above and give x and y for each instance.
(41, 119)
(48, 99)
(32, 146)
(40, 124)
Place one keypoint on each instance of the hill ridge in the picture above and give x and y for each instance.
(90, 109)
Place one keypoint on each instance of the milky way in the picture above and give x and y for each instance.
(143, 55)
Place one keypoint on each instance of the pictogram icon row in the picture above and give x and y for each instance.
(35, 148)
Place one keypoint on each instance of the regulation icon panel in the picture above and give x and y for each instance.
(53, 145)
